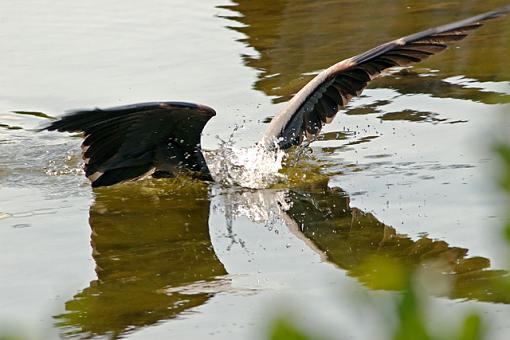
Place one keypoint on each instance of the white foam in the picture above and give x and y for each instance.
(255, 167)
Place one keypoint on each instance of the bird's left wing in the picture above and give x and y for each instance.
(318, 101)
(129, 142)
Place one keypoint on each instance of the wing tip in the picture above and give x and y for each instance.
(503, 10)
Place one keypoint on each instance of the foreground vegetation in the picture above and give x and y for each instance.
(409, 305)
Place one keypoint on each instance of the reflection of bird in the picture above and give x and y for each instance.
(374, 253)
(163, 139)
(139, 269)
(175, 263)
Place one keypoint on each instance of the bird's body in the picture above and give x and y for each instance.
(162, 139)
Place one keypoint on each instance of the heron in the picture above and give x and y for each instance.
(163, 139)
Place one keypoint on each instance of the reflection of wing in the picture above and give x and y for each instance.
(351, 239)
(318, 102)
(149, 244)
(130, 142)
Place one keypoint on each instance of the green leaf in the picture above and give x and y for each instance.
(284, 330)
(411, 324)
(472, 328)
(504, 153)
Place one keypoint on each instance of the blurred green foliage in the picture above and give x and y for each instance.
(282, 329)
(504, 154)
(472, 328)
(411, 323)
(10, 336)
(410, 314)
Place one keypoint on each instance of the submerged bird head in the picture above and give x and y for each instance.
(254, 167)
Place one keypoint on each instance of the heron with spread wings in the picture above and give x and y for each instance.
(162, 139)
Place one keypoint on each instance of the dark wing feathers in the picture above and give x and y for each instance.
(133, 141)
(318, 102)
(129, 142)
(118, 175)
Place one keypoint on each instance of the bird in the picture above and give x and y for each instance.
(163, 139)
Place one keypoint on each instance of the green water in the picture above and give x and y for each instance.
(404, 176)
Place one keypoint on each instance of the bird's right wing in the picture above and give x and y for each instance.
(129, 142)
(318, 101)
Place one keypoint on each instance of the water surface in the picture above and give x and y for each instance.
(404, 174)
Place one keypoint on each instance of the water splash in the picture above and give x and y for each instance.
(255, 167)
(267, 207)
(70, 165)
(260, 206)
